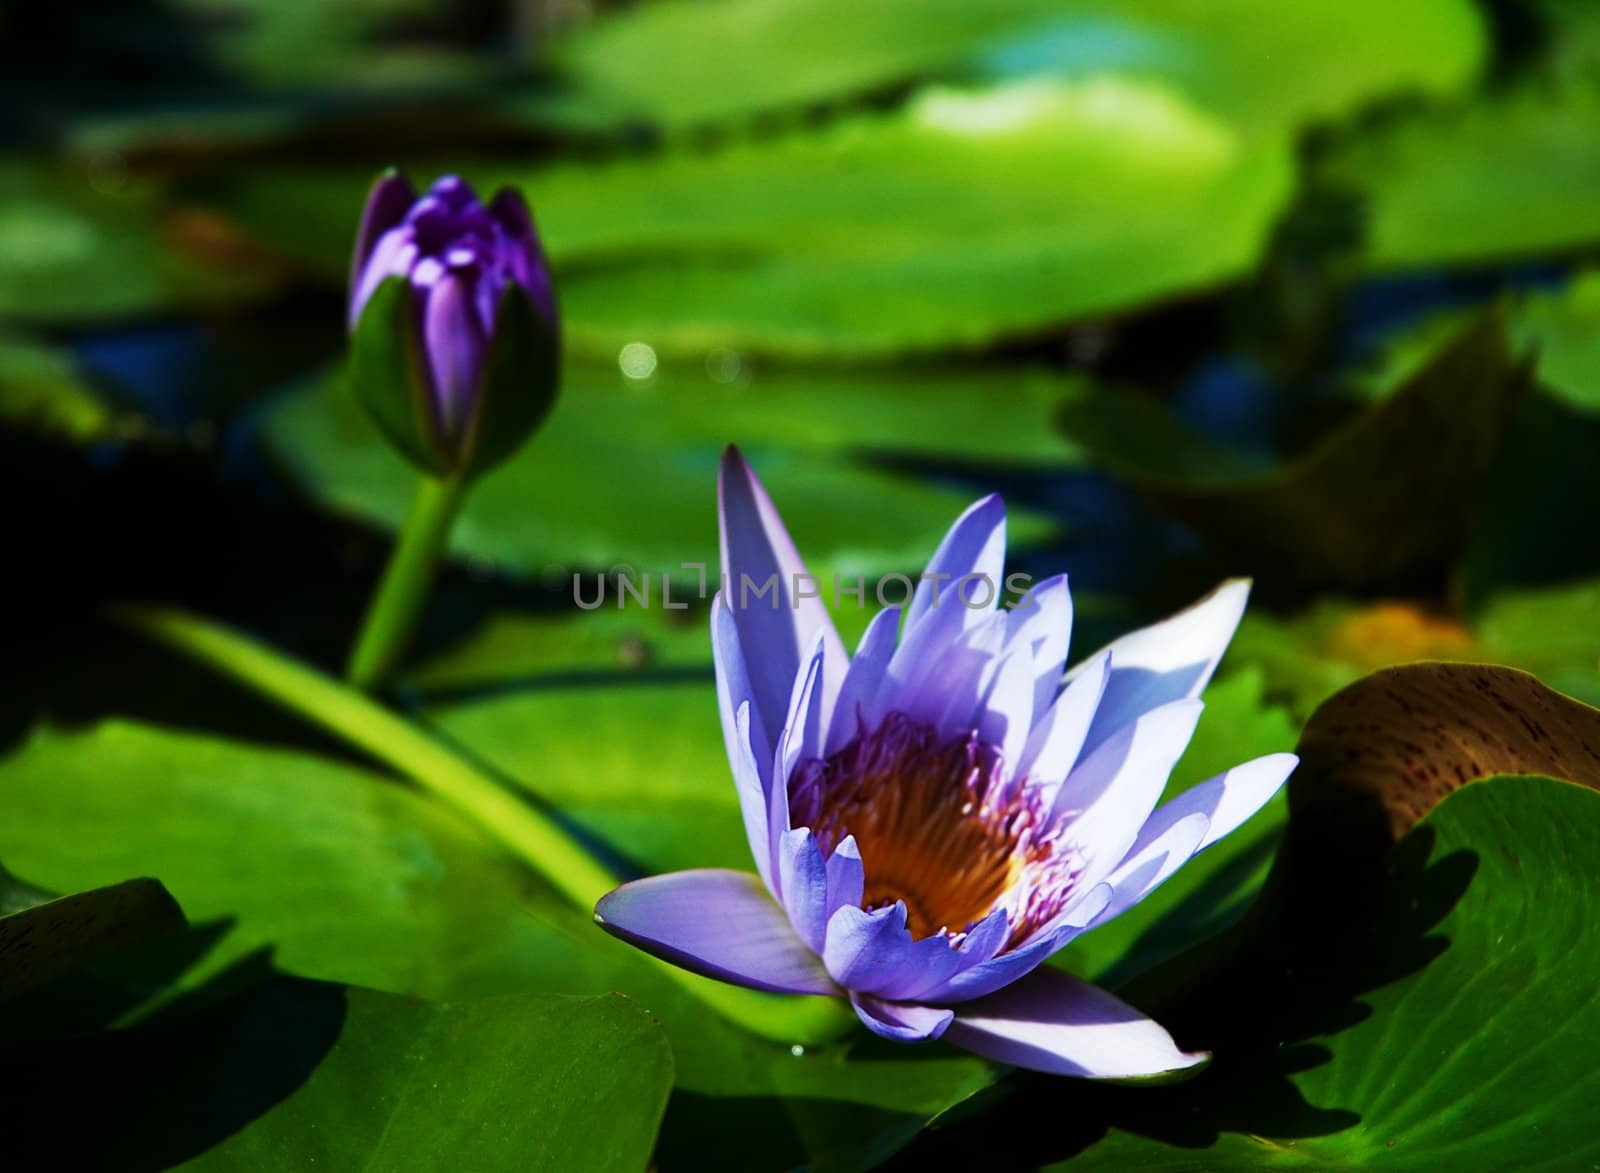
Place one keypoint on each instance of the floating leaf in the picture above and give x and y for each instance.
(56, 937)
(964, 218)
(345, 874)
(1404, 738)
(292, 1074)
(42, 391)
(626, 477)
(1385, 498)
(1428, 1044)
(519, 1082)
(77, 245)
(1384, 1001)
(1254, 61)
(1552, 631)
(1565, 329)
(1502, 178)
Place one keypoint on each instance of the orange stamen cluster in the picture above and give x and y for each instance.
(934, 826)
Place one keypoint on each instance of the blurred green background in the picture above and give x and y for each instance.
(1204, 287)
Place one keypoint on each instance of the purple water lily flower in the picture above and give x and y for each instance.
(473, 272)
(935, 816)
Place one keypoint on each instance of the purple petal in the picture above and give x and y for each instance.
(456, 343)
(1042, 623)
(950, 692)
(1226, 800)
(1055, 1023)
(733, 684)
(387, 203)
(1169, 660)
(392, 256)
(803, 724)
(901, 1021)
(775, 630)
(858, 706)
(913, 681)
(1150, 864)
(801, 731)
(528, 266)
(1057, 739)
(976, 544)
(1106, 801)
(846, 878)
(804, 884)
(715, 922)
(755, 804)
(873, 953)
(749, 754)
(1007, 714)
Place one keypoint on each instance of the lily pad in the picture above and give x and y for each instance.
(80, 245)
(624, 477)
(346, 876)
(1404, 738)
(342, 874)
(964, 218)
(967, 217)
(1364, 506)
(42, 391)
(1480, 961)
(1507, 176)
(1254, 61)
(293, 1073)
(518, 1082)
(1565, 327)
(57, 936)
(1422, 938)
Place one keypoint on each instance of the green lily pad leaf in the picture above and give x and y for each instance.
(41, 391)
(964, 218)
(624, 478)
(345, 874)
(1503, 178)
(1552, 631)
(661, 802)
(1213, 890)
(967, 217)
(50, 939)
(1254, 62)
(1400, 740)
(1428, 1044)
(1363, 506)
(1571, 49)
(296, 1074)
(81, 245)
(1424, 930)
(1565, 328)
(518, 1082)
(1449, 1061)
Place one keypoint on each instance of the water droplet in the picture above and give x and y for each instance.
(637, 360)
(797, 1050)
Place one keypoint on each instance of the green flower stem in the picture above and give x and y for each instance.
(392, 616)
(526, 829)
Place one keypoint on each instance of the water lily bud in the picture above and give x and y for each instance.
(455, 337)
